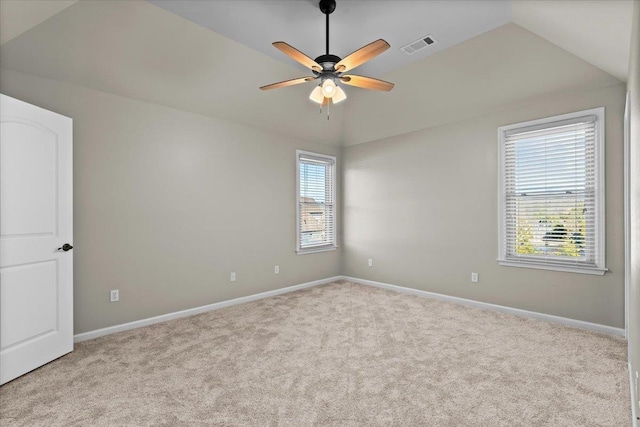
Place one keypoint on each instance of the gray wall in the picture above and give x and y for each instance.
(634, 297)
(424, 206)
(168, 203)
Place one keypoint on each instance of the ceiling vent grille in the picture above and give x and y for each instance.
(419, 44)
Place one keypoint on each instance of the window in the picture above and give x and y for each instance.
(552, 193)
(316, 210)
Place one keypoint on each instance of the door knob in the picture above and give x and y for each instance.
(66, 247)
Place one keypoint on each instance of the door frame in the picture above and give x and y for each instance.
(627, 210)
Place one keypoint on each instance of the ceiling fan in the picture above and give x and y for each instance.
(330, 69)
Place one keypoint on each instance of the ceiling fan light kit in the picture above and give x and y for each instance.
(339, 96)
(328, 88)
(330, 69)
(316, 95)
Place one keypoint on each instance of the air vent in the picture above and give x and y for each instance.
(419, 44)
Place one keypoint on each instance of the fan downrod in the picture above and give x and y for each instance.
(327, 61)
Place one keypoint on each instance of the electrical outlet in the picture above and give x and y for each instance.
(114, 295)
(370, 262)
(233, 276)
(276, 269)
(474, 277)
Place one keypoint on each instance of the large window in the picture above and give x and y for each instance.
(316, 211)
(552, 193)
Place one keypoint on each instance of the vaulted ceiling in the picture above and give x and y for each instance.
(210, 57)
(354, 23)
(596, 31)
(20, 16)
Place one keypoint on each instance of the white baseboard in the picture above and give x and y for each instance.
(202, 309)
(222, 304)
(634, 415)
(524, 313)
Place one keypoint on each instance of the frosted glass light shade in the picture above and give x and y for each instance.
(316, 95)
(339, 95)
(328, 88)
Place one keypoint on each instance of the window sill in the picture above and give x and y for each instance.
(316, 250)
(566, 268)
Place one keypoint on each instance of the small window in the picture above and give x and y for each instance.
(316, 208)
(552, 193)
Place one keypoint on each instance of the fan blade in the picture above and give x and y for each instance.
(297, 56)
(362, 55)
(367, 82)
(288, 83)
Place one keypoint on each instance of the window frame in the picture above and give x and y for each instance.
(325, 248)
(600, 197)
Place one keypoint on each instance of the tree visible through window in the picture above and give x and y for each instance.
(552, 192)
(316, 202)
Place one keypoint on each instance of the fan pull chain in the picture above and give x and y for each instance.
(327, 109)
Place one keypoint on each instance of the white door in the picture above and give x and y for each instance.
(36, 278)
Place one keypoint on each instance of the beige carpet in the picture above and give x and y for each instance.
(335, 355)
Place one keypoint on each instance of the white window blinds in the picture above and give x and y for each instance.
(316, 202)
(551, 188)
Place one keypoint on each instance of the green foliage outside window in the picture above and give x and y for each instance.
(547, 233)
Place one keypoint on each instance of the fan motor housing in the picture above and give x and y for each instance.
(328, 62)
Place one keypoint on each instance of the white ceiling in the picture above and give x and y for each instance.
(596, 31)
(501, 69)
(353, 24)
(18, 16)
(139, 50)
(135, 49)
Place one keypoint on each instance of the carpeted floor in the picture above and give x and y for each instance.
(335, 355)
